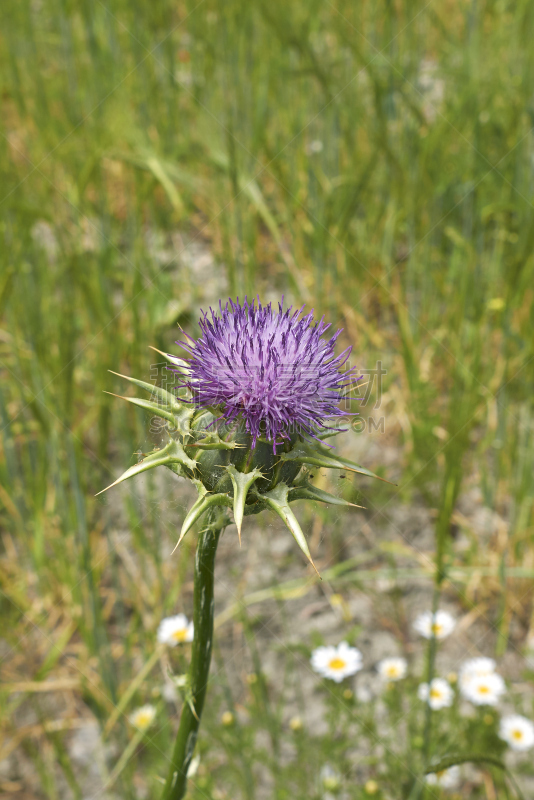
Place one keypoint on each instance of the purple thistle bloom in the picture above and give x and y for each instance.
(273, 370)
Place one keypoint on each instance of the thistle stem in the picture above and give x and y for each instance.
(186, 737)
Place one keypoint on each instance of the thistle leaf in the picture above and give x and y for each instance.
(156, 409)
(309, 492)
(277, 500)
(305, 453)
(172, 453)
(201, 505)
(242, 481)
(167, 397)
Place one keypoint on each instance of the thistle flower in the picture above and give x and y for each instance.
(254, 404)
(440, 694)
(484, 690)
(445, 779)
(392, 669)
(174, 630)
(336, 663)
(143, 717)
(274, 371)
(517, 732)
(440, 624)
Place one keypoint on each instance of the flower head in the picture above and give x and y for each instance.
(474, 668)
(446, 778)
(517, 731)
(256, 379)
(440, 624)
(271, 369)
(483, 690)
(143, 717)
(392, 669)
(440, 694)
(174, 630)
(338, 662)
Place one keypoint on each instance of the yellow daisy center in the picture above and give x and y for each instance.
(483, 689)
(435, 694)
(437, 627)
(392, 671)
(337, 663)
(143, 720)
(180, 635)
(517, 735)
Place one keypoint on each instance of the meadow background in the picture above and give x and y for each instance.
(374, 160)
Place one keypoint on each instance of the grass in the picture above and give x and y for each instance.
(371, 160)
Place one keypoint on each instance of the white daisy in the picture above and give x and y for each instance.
(446, 778)
(484, 690)
(173, 630)
(517, 731)
(392, 669)
(142, 718)
(475, 668)
(440, 695)
(338, 662)
(440, 624)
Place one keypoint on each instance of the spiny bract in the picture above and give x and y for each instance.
(249, 419)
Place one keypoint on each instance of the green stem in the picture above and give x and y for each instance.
(431, 663)
(186, 737)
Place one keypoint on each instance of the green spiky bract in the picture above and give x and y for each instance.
(228, 473)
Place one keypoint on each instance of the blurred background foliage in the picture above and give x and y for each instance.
(372, 160)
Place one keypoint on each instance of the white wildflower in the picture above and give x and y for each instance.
(446, 778)
(440, 624)
(439, 696)
(484, 690)
(517, 731)
(338, 662)
(173, 630)
(475, 668)
(392, 669)
(143, 717)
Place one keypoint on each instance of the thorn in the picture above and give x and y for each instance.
(315, 568)
(157, 351)
(111, 485)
